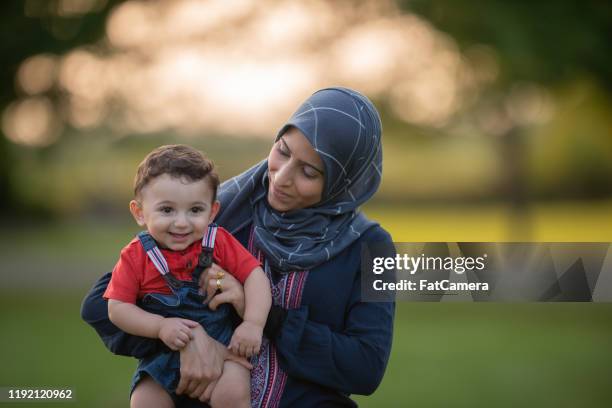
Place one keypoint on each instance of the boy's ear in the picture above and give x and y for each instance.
(136, 211)
(214, 209)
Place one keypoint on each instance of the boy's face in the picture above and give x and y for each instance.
(175, 211)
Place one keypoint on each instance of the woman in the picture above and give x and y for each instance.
(298, 212)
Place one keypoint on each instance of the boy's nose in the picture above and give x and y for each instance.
(181, 221)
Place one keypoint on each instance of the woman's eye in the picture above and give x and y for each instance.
(282, 151)
(309, 172)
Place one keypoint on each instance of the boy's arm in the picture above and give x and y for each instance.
(94, 311)
(132, 319)
(175, 332)
(258, 297)
(246, 340)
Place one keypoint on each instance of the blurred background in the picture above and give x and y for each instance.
(497, 126)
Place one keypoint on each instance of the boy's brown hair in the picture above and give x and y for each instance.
(178, 161)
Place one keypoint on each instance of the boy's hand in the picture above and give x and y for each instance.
(246, 341)
(176, 332)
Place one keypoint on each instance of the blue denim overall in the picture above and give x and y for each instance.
(184, 302)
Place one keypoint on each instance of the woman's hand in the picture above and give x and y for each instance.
(232, 291)
(202, 364)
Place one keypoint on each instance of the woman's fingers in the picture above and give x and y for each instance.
(232, 291)
(215, 272)
(208, 392)
(182, 385)
(209, 274)
(186, 386)
(223, 297)
(240, 360)
(215, 281)
(212, 285)
(235, 347)
(203, 279)
(210, 291)
(198, 391)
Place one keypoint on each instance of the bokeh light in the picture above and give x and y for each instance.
(37, 74)
(241, 67)
(31, 122)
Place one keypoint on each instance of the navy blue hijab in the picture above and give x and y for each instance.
(344, 128)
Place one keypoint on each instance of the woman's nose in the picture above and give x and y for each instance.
(284, 175)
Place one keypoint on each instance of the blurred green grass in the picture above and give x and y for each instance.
(444, 354)
(501, 355)
(44, 343)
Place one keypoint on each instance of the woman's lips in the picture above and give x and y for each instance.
(279, 195)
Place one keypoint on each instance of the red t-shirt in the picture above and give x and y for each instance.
(135, 275)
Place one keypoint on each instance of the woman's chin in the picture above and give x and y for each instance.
(277, 205)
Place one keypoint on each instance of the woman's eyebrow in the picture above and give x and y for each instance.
(302, 161)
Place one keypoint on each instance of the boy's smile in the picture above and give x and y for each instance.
(175, 211)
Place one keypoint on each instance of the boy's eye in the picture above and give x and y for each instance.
(166, 210)
(197, 210)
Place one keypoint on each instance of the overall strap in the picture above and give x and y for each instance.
(206, 256)
(156, 256)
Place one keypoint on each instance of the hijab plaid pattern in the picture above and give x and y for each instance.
(344, 128)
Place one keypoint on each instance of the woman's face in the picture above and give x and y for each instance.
(295, 172)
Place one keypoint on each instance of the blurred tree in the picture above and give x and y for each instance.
(31, 27)
(546, 42)
(542, 41)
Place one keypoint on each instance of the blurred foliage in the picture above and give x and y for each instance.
(26, 28)
(93, 174)
(543, 41)
(577, 162)
(560, 45)
(564, 46)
